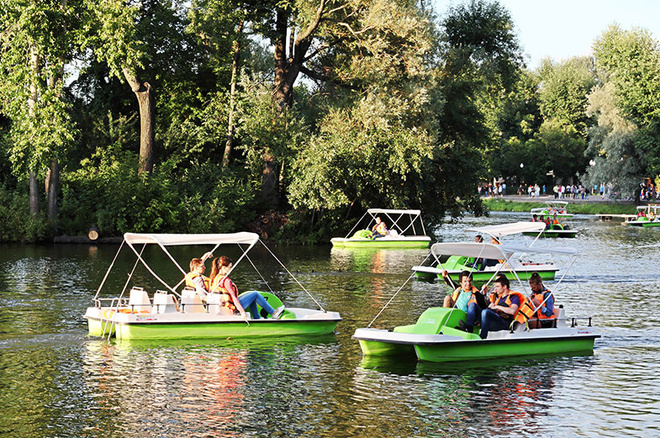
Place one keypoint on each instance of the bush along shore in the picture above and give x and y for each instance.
(592, 205)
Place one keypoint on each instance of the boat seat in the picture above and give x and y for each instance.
(164, 302)
(561, 316)
(393, 233)
(215, 307)
(139, 301)
(191, 302)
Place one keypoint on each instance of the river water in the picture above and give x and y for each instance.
(58, 382)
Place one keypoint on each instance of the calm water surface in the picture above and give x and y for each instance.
(57, 382)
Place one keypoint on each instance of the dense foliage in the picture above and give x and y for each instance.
(287, 117)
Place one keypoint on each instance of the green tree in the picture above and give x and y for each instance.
(630, 60)
(616, 160)
(564, 88)
(37, 39)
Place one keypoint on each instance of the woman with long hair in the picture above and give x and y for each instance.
(221, 283)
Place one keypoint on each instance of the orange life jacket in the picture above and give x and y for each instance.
(225, 296)
(190, 276)
(524, 312)
(458, 291)
(381, 228)
(540, 315)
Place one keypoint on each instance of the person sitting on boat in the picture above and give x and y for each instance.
(195, 279)
(554, 220)
(379, 229)
(492, 262)
(221, 283)
(535, 218)
(504, 311)
(544, 303)
(468, 299)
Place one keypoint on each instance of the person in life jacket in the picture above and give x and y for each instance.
(468, 299)
(544, 303)
(554, 221)
(503, 311)
(195, 279)
(221, 283)
(379, 229)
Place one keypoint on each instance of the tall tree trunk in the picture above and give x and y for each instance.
(32, 102)
(34, 194)
(287, 68)
(52, 189)
(146, 105)
(229, 145)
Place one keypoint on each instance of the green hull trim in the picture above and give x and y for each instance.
(645, 224)
(100, 328)
(223, 330)
(382, 243)
(471, 350)
(376, 348)
(480, 277)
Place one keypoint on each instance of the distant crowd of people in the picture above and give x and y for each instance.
(496, 190)
(647, 192)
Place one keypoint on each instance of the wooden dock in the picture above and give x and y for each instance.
(607, 217)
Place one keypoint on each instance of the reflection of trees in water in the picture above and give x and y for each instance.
(381, 261)
(484, 398)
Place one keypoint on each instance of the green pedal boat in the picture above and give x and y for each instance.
(403, 231)
(170, 314)
(436, 336)
(647, 217)
(485, 266)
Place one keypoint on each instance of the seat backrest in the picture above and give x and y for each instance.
(139, 300)
(164, 302)
(216, 305)
(191, 302)
(560, 314)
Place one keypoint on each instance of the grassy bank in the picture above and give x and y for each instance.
(493, 204)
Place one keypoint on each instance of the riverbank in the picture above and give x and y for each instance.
(590, 205)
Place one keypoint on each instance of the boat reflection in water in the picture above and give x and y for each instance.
(485, 398)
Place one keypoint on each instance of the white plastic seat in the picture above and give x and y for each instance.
(164, 302)
(139, 301)
(393, 233)
(215, 305)
(191, 302)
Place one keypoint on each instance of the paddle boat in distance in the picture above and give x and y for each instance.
(170, 314)
(483, 268)
(403, 227)
(560, 208)
(553, 217)
(436, 336)
(647, 216)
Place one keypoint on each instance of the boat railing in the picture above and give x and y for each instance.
(562, 321)
(113, 302)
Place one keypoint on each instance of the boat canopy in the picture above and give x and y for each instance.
(490, 251)
(192, 239)
(390, 211)
(411, 223)
(508, 229)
